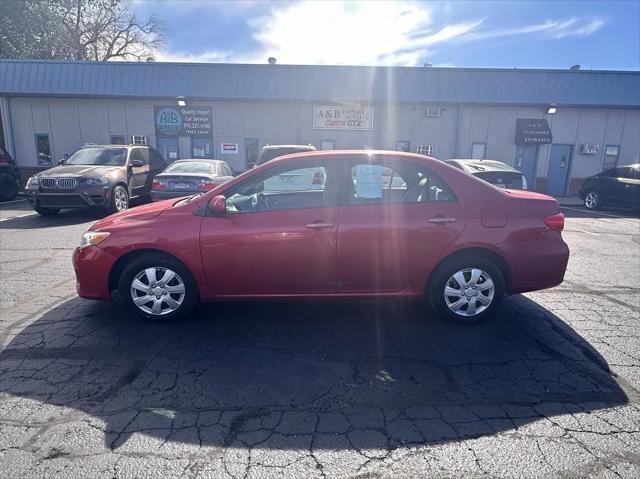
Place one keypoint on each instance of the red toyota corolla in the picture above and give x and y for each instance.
(330, 224)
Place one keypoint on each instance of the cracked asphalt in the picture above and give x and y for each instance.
(549, 387)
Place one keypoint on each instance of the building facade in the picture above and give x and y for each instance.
(556, 126)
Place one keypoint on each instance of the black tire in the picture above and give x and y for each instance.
(592, 200)
(116, 206)
(444, 273)
(158, 261)
(46, 211)
(8, 187)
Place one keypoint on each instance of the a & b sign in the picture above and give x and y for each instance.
(342, 118)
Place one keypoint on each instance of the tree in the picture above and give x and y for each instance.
(96, 30)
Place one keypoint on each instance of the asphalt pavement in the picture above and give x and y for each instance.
(549, 387)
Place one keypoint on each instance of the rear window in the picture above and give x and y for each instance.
(503, 179)
(190, 167)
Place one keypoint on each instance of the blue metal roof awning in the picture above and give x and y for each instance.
(319, 83)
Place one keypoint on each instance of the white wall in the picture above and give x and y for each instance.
(74, 122)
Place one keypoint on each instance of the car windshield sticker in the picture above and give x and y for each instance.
(368, 181)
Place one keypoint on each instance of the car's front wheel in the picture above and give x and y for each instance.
(119, 199)
(158, 288)
(467, 289)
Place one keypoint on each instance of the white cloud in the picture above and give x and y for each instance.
(365, 33)
(210, 56)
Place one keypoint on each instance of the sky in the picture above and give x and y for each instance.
(603, 35)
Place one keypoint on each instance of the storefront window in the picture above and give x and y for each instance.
(43, 149)
(478, 151)
(251, 151)
(201, 148)
(611, 154)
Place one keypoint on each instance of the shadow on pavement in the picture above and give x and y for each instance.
(66, 217)
(306, 375)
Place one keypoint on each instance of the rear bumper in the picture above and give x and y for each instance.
(537, 264)
(167, 195)
(86, 198)
(92, 266)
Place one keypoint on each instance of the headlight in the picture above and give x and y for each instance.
(33, 181)
(94, 181)
(93, 238)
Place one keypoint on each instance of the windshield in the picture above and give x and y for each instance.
(98, 156)
(190, 167)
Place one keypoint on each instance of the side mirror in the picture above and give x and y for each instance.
(136, 163)
(62, 162)
(218, 205)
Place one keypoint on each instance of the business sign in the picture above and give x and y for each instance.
(229, 148)
(196, 122)
(532, 131)
(342, 118)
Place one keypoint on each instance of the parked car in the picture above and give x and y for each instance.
(9, 177)
(100, 176)
(269, 152)
(494, 172)
(188, 177)
(458, 242)
(615, 187)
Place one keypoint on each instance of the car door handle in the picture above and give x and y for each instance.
(441, 220)
(319, 225)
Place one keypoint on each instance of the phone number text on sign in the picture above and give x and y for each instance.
(342, 118)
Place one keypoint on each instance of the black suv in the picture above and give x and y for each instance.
(615, 187)
(103, 176)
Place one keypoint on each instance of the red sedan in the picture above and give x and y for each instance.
(330, 224)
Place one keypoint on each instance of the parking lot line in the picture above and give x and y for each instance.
(21, 200)
(18, 216)
(596, 213)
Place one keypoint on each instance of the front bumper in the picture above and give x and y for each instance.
(92, 266)
(82, 197)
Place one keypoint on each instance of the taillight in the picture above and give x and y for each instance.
(158, 185)
(207, 185)
(318, 178)
(555, 222)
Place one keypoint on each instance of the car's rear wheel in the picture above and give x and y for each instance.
(119, 199)
(158, 288)
(467, 289)
(592, 200)
(46, 211)
(8, 187)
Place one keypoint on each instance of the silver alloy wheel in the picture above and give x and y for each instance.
(157, 291)
(469, 292)
(120, 198)
(591, 200)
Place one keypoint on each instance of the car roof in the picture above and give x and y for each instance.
(112, 145)
(345, 153)
(475, 166)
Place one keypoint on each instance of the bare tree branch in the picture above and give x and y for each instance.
(98, 30)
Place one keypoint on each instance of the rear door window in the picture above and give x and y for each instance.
(394, 181)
